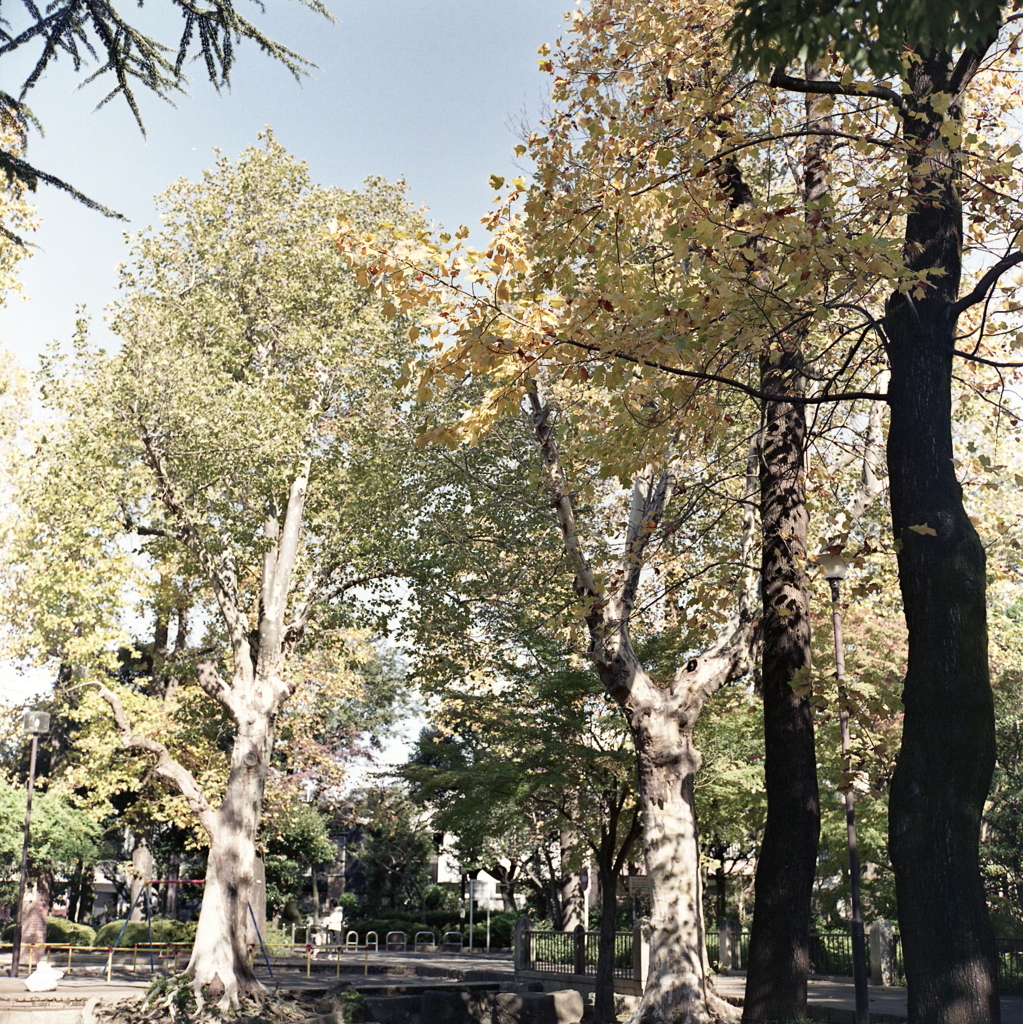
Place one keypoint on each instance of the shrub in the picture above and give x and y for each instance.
(137, 932)
(62, 932)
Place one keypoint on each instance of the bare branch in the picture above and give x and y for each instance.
(987, 282)
(166, 766)
(216, 687)
(280, 567)
(730, 655)
(825, 88)
(649, 499)
(987, 362)
(584, 583)
(730, 382)
(223, 583)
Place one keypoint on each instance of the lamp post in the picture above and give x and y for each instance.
(35, 722)
(835, 568)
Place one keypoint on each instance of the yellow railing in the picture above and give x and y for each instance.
(73, 957)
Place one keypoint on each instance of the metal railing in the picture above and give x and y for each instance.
(576, 953)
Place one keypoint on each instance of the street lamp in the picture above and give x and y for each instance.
(35, 722)
(835, 568)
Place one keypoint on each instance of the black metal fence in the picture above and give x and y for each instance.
(576, 952)
(1010, 966)
(831, 953)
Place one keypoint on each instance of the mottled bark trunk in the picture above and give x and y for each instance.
(571, 891)
(668, 762)
(948, 742)
(141, 873)
(779, 955)
(219, 967)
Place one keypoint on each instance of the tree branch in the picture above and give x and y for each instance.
(729, 656)
(166, 766)
(782, 81)
(224, 585)
(609, 638)
(280, 567)
(648, 503)
(584, 583)
(214, 686)
(730, 382)
(987, 362)
(987, 282)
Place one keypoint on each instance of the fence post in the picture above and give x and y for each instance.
(520, 946)
(729, 949)
(641, 950)
(882, 952)
(579, 950)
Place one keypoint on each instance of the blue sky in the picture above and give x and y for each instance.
(434, 91)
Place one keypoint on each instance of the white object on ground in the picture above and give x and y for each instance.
(44, 978)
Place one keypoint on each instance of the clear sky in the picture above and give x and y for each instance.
(434, 91)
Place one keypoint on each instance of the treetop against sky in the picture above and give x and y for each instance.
(434, 92)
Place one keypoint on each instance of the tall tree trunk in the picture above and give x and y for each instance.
(35, 910)
(572, 899)
(779, 955)
(604, 998)
(141, 873)
(668, 762)
(219, 966)
(661, 720)
(948, 740)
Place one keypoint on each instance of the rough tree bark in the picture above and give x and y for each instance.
(945, 764)
(779, 954)
(948, 742)
(252, 696)
(661, 720)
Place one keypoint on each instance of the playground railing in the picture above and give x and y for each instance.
(172, 957)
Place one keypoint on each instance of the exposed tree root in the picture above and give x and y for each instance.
(173, 1001)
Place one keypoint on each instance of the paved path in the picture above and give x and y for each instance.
(830, 997)
(885, 1003)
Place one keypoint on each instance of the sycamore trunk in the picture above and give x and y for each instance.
(219, 967)
(668, 761)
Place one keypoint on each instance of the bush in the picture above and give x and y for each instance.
(62, 932)
(137, 932)
(502, 928)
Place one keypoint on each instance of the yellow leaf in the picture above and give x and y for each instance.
(496, 181)
(925, 529)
